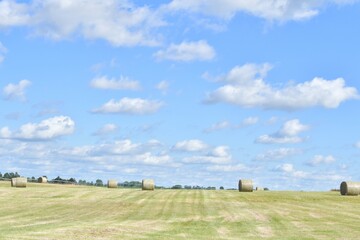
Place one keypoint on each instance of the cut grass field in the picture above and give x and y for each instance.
(47, 211)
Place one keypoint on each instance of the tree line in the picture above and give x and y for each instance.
(100, 183)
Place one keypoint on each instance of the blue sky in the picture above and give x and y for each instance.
(184, 92)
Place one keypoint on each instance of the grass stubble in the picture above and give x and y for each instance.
(47, 211)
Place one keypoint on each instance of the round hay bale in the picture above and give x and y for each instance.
(148, 184)
(112, 183)
(13, 182)
(19, 182)
(245, 185)
(350, 188)
(259, 189)
(42, 180)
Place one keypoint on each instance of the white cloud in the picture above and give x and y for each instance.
(292, 174)
(118, 22)
(187, 51)
(193, 145)
(277, 10)
(218, 155)
(151, 159)
(250, 121)
(3, 50)
(217, 126)
(130, 106)
(226, 125)
(106, 129)
(357, 144)
(286, 134)
(320, 159)
(228, 168)
(13, 13)
(292, 128)
(122, 151)
(115, 156)
(16, 91)
(279, 153)
(163, 86)
(271, 139)
(45, 130)
(123, 83)
(245, 87)
(289, 169)
(221, 151)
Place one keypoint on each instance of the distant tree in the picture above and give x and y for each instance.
(99, 183)
(58, 178)
(7, 175)
(72, 180)
(81, 182)
(221, 188)
(187, 187)
(176, 187)
(131, 184)
(266, 189)
(16, 174)
(0, 174)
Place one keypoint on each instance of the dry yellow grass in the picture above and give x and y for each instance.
(47, 211)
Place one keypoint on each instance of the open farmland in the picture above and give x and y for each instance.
(46, 211)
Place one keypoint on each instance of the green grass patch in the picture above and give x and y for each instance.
(46, 211)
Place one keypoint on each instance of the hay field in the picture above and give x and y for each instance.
(44, 211)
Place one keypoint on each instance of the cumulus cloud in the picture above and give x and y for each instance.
(121, 151)
(290, 172)
(163, 86)
(193, 145)
(130, 106)
(123, 83)
(289, 169)
(106, 129)
(187, 51)
(320, 159)
(3, 50)
(217, 126)
(205, 153)
(115, 156)
(118, 22)
(288, 133)
(226, 124)
(45, 130)
(245, 87)
(16, 91)
(250, 121)
(277, 10)
(13, 13)
(218, 155)
(275, 154)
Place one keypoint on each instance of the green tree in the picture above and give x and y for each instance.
(72, 180)
(99, 183)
